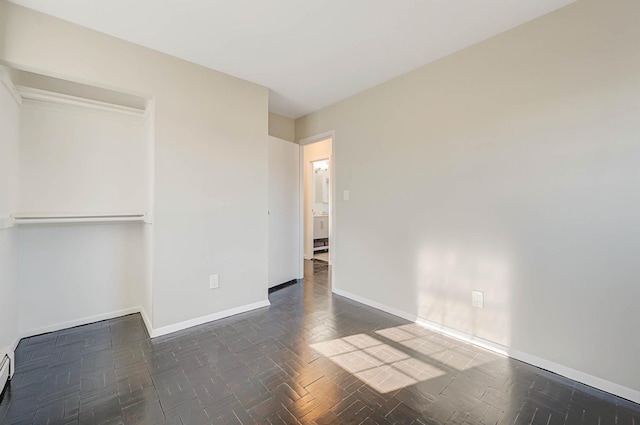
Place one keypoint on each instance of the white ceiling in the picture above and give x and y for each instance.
(310, 53)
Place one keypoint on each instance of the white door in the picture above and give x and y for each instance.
(284, 211)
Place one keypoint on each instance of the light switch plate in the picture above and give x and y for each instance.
(345, 195)
(214, 281)
(477, 299)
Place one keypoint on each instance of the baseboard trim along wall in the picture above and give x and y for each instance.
(283, 285)
(78, 322)
(208, 318)
(374, 304)
(576, 375)
(11, 353)
(146, 320)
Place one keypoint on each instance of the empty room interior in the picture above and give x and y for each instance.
(286, 212)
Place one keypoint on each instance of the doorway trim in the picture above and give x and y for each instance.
(332, 173)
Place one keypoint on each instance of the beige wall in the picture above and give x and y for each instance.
(210, 158)
(282, 127)
(511, 168)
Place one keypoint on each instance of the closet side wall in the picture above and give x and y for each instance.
(9, 150)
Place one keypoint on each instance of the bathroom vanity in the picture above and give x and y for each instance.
(320, 232)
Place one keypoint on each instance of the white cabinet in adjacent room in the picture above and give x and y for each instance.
(320, 226)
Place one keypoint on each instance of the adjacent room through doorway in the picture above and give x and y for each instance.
(317, 208)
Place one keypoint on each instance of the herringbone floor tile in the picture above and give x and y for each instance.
(310, 358)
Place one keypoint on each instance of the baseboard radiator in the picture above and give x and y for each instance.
(5, 363)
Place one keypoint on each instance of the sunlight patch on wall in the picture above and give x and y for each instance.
(445, 278)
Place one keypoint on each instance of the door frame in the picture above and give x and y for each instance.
(332, 173)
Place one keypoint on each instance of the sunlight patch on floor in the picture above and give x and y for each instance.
(381, 366)
(433, 345)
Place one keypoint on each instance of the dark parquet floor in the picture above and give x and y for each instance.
(310, 358)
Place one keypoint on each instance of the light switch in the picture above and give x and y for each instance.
(214, 281)
(345, 195)
(477, 299)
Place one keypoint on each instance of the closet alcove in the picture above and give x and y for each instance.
(84, 207)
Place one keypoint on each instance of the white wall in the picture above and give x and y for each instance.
(313, 152)
(284, 211)
(73, 274)
(79, 160)
(9, 151)
(210, 159)
(511, 168)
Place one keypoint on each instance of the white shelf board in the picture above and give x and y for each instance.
(41, 218)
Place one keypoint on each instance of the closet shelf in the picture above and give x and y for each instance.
(79, 218)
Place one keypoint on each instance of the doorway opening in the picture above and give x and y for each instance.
(317, 184)
(320, 209)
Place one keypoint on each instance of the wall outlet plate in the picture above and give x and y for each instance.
(477, 299)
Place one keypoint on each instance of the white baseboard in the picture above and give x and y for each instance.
(208, 318)
(271, 285)
(78, 322)
(147, 321)
(12, 357)
(576, 375)
(10, 350)
(471, 339)
(377, 305)
(145, 318)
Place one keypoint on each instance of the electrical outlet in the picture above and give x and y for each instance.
(477, 299)
(214, 281)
